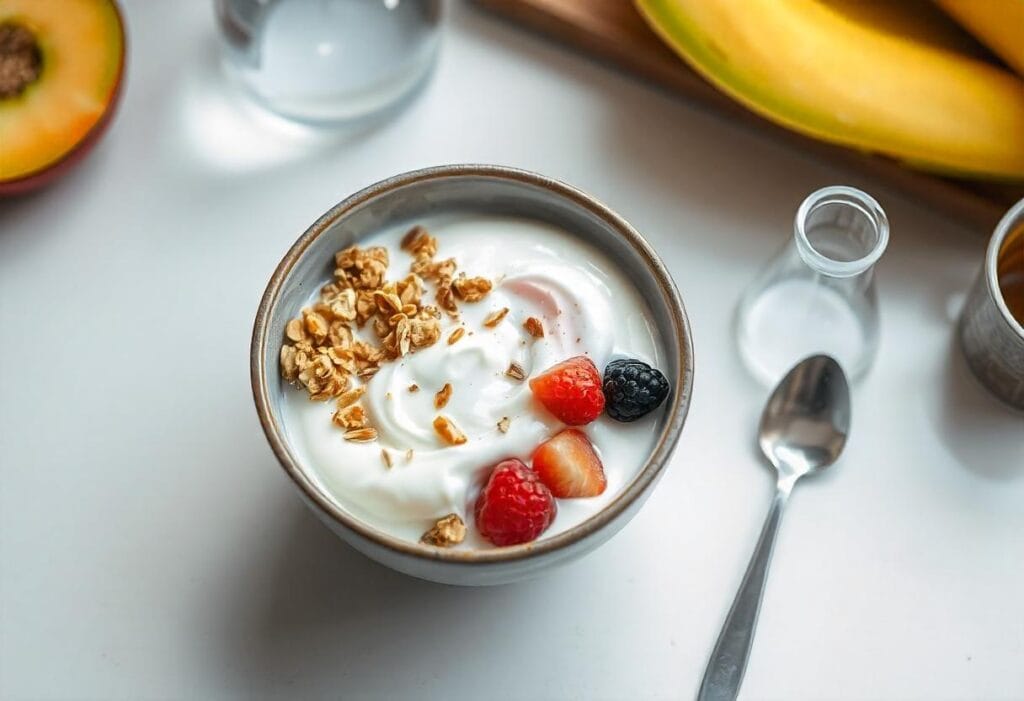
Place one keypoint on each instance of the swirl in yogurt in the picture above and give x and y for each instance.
(586, 306)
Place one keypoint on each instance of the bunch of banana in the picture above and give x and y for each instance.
(894, 77)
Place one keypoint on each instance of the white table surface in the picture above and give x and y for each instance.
(151, 547)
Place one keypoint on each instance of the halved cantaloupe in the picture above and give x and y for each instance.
(61, 63)
(826, 69)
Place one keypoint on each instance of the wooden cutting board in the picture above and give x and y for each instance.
(614, 31)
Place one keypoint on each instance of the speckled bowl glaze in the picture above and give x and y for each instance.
(490, 190)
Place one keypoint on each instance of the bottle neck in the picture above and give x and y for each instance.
(840, 232)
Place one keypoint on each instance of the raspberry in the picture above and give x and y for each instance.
(571, 390)
(633, 389)
(514, 506)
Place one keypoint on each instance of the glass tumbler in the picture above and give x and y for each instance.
(818, 294)
(329, 61)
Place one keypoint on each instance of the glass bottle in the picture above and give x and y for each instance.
(818, 294)
(329, 61)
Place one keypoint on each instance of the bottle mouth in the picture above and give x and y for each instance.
(841, 231)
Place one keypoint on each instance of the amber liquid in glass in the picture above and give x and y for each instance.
(1010, 272)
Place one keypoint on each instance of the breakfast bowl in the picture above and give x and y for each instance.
(611, 284)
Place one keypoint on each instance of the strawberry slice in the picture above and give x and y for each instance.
(569, 466)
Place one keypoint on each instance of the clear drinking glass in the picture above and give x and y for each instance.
(329, 61)
(818, 295)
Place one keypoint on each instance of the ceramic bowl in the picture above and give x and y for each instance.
(489, 190)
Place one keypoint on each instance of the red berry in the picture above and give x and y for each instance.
(571, 390)
(514, 506)
(568, 465)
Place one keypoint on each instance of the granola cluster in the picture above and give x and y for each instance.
(448, 431)
(324, 354)
(423, 247)
(448, 531)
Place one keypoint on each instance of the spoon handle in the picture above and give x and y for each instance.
(724, 673)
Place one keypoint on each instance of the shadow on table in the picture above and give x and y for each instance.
(14, 208)
(320, 618)
(971, 422)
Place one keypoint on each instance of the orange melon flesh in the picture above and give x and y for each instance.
(82, 46)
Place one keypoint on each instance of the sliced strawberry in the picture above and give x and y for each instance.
(571, 390)
(568, 465)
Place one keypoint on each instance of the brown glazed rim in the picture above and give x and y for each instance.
(679, 398)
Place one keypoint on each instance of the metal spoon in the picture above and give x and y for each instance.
(803, 429)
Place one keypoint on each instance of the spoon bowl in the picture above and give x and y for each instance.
(807, 418)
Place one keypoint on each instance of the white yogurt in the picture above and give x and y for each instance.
(587, 307)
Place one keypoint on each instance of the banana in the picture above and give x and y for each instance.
(999, 24)
(832, 71)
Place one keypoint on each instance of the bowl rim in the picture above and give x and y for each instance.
(679, 397)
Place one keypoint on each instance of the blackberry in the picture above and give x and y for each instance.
(632, 389)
